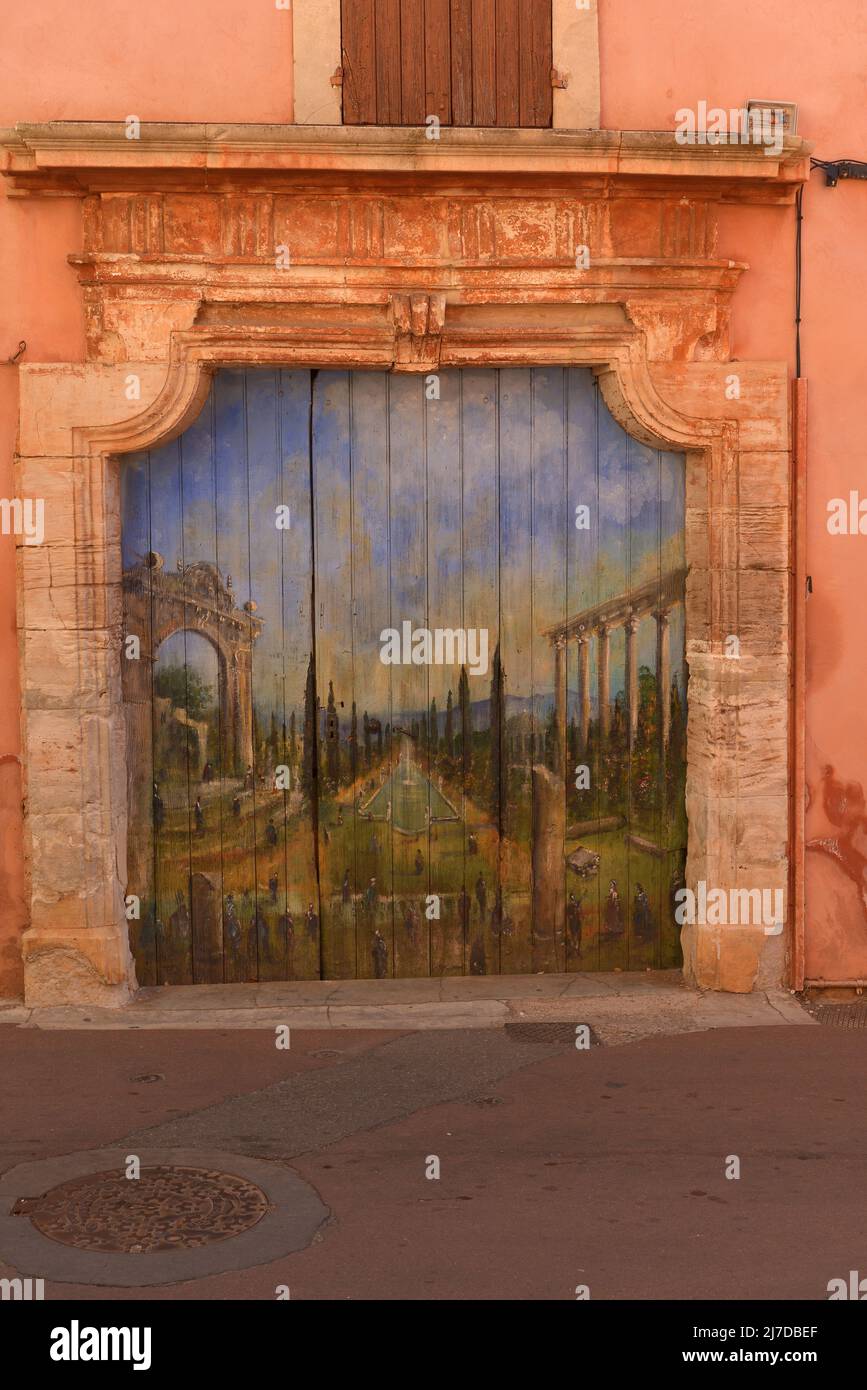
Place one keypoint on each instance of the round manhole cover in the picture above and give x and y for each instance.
(165, 1208)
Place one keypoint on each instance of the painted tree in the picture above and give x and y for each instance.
(466, 723)
(498, 788)
(675, 759)
(332, 739)
(310, 752)
(433, 729)
(572, 743)
(186, 690)
(450, 728)
(353, 744)
(366, 736)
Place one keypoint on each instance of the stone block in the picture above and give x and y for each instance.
(55, 399)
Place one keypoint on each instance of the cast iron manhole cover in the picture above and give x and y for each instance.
(163, 1209)
(842, 1015)
(548, 1033)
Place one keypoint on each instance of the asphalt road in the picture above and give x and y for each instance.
(557, 1167)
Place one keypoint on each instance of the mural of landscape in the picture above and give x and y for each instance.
(300, 808)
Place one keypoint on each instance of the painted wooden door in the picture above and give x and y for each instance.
(405, 681)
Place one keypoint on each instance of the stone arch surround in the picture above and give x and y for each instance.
(654, 329)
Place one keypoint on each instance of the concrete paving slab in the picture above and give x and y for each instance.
(478, 1013)
(210, 1019)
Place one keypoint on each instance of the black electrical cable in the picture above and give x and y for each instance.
(834, 170)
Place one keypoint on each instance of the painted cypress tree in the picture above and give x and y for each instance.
(450, 728)
(466, 723)
(309, 757)
(433, 729)
(353, 744)
(332, 739)
(498, 741)
(573, 743)
(366, 727)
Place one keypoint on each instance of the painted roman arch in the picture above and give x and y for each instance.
(411, 689)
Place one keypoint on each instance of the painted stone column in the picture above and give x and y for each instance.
(584, 688)
(560, 700)
(549, 875)
(630, 627)
(604, 650)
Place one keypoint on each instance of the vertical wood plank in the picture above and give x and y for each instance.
(408, 793)
(233, 559)
(582, 889)
(300, 903)
(614, 580)
(138, 709)
(516, 654)
(265, 587)
(445, 581)
(481, 603)
(358, 38)
(508, 43)
(437, 60)
(462, 61)
(372, 600)
(332, 497)
(412, 62)
(204, 819)
(388, 65)
(171, 806)
(484, 63)
(549, 608)
(536, 96)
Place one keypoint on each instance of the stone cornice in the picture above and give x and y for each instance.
(72, 157)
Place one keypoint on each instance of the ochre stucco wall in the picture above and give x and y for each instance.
(229, 60)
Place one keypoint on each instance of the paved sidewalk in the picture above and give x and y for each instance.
(619, 1007)
(558, 1167)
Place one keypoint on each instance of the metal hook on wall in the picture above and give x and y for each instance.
(22, 347)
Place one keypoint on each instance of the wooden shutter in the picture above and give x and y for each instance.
(469, 62)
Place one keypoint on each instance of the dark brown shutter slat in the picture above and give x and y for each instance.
(388, 62)
(412, 62)
(462, 62)
(437, 56)
(484, 66)
(536, 95)
(508, 45)
(359, 69)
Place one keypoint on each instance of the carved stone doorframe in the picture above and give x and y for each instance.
(488, 287)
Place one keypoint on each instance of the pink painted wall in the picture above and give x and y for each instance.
(815, 55)
(197, 60)
(231, 60)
